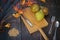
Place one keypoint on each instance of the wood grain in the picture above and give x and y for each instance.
(37, 25)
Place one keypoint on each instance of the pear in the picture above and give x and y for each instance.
(39, 15)
(35, 8)
(45, 10)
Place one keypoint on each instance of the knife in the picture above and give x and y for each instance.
(27, 20)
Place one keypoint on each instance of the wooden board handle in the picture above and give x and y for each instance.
(43, 34)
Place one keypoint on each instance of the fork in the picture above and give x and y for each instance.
(52, 21)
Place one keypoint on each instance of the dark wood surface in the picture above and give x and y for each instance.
(54, 10)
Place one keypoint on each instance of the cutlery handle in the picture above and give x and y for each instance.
(54, 37)
(50, 30)
(43, 34)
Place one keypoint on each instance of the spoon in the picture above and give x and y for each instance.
(56, 25)
(52, 21)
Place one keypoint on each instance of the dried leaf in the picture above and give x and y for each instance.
(8, 25)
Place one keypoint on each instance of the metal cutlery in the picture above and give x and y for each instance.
(56, 25)
(52, 21)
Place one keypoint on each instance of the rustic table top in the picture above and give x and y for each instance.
(24, 33)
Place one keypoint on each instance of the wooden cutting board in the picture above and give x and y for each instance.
(34, 29)
(30, 16)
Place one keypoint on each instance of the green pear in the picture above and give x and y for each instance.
(35, 8)
(39, 15)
